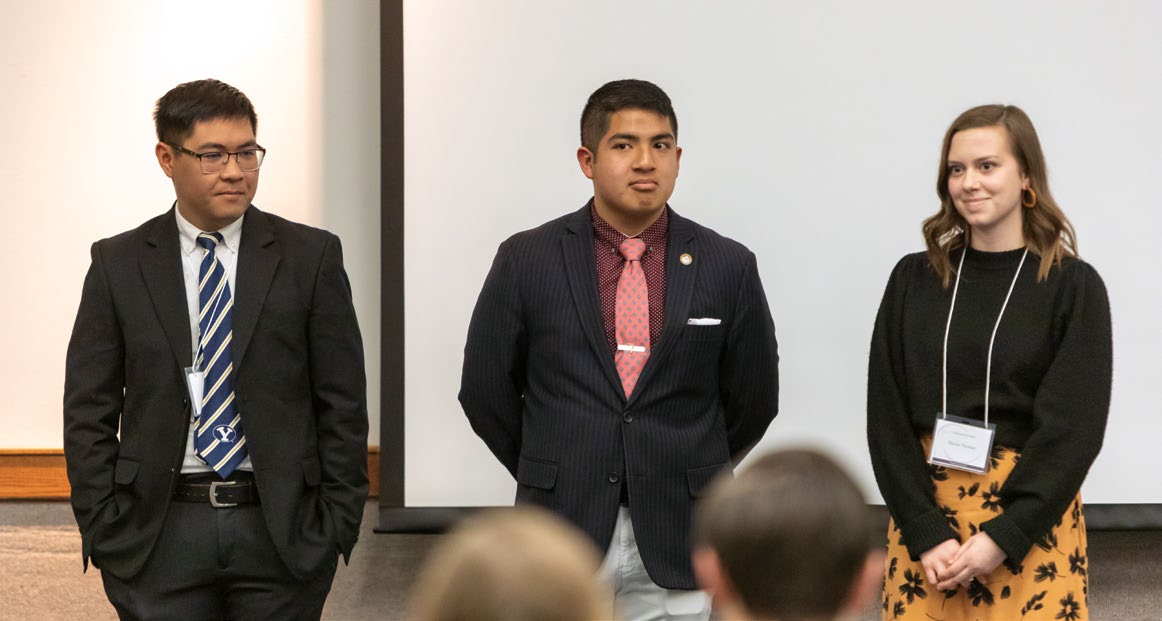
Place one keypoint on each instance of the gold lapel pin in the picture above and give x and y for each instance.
(686, 258)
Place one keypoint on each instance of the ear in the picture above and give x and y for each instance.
(710, 575)
(585, 158)
(165, 158)
(868, 583)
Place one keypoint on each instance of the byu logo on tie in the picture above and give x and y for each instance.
(225, 433)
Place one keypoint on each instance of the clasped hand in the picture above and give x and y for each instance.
(952, 565)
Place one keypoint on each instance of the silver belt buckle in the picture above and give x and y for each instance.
(214, 485)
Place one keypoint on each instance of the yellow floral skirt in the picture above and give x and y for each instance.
(1051, 582)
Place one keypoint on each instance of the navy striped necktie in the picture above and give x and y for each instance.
(218, 439)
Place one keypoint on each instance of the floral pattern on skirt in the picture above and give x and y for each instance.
(1050, 583)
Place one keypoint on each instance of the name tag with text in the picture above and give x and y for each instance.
(962, 443)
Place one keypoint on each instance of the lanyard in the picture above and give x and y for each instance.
(988, 365)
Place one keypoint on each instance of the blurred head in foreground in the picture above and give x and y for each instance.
(788, 539)
(522, 564)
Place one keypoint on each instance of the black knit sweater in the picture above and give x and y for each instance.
(1050, 394)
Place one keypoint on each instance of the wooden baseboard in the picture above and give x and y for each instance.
(39, 474)
(33, 474)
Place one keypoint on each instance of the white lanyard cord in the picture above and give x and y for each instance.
(947, 328)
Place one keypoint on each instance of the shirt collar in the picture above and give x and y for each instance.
(188, 234)
(654, 236)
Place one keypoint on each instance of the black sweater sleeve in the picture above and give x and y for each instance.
(1055, 417)
(896, 454)
(1069, 416)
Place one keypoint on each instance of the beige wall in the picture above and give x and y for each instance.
(79, 82)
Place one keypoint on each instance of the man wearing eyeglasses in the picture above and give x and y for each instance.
(215, 408)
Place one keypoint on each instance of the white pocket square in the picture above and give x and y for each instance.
(703, 321)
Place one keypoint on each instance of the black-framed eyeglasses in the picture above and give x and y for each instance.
(212, 162)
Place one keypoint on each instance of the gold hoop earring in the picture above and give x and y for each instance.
(1032, 202)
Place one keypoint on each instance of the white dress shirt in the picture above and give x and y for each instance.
(192, 255)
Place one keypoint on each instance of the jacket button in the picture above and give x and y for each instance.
(627, 417)
(613, 478)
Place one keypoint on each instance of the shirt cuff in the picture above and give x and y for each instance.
(926, 532)
(1008, 537)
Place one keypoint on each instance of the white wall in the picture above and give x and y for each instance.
(811, 133)
(80, 80)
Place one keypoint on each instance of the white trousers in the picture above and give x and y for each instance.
(636, 597)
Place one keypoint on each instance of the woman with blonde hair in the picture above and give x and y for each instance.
(522, 564)
(988, 390)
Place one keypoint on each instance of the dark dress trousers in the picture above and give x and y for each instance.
(299, 384)
(540, 387)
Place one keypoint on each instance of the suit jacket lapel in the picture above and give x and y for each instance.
(256, 266)
(679, 290)
(161, 268)
(577, 249)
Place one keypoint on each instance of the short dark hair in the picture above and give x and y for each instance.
(622, 95)
(792, 534)
(187, 104)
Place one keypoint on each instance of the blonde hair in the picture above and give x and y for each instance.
(1047, 231)
(523, 564)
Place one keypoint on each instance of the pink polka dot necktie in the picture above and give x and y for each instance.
(632, 316)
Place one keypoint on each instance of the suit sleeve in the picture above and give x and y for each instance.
(339, 395)
(93, 400)
(897, 456)
(749, 371)
(493, 379)
(1069, 414)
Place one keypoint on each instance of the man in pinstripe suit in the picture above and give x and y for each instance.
(543, 381)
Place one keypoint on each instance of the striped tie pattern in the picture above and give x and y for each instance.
(632, 316)
(218, 438)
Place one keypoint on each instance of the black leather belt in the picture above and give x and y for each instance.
(219, 494)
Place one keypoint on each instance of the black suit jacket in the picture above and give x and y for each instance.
(299, 385)
(540, 387)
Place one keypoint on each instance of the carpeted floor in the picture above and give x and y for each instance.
(41, 578)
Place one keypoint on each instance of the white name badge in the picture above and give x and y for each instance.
(196, 382)
(962, 443)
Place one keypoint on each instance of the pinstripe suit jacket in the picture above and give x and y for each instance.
(540, 387)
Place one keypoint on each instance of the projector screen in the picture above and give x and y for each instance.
(811, 133)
